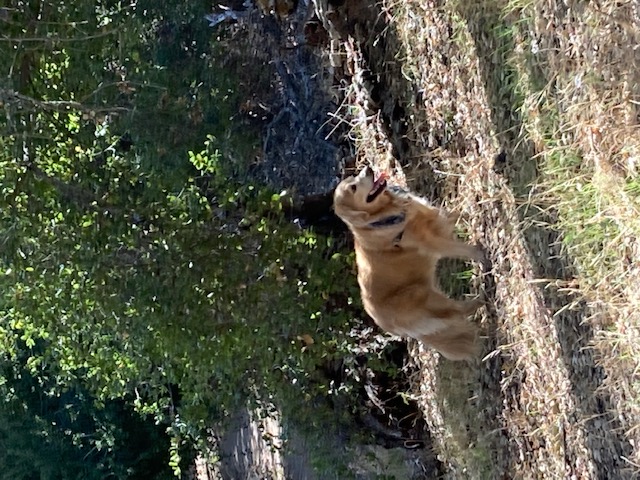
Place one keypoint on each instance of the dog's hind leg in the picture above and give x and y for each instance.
(456, 342)
(437, 313)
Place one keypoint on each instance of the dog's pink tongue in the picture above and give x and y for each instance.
(381, 178)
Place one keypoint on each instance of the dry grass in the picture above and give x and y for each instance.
(584, 117)
(523, 115)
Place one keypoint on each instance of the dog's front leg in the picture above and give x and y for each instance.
(432, 242)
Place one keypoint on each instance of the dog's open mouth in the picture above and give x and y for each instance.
(379, 184)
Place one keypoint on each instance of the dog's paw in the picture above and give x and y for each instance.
(481, 256)
(452, 217)
(477, 253)
(469, 307)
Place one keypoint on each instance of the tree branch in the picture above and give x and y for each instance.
(57, 39)
(11, 97)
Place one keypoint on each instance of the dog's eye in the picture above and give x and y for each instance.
(354, 188)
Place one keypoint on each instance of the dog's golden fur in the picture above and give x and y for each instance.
(399, 238)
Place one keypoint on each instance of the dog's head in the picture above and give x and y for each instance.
(364, 200)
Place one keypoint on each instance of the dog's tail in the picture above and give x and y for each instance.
(458, 341)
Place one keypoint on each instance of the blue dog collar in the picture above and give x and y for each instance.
(388, 221)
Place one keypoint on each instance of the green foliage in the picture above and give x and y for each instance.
(139, 278)
(143, 288)
(48, 432)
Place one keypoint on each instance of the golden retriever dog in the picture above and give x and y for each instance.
(399, 238)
